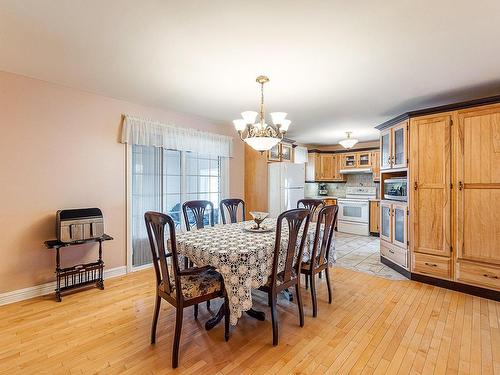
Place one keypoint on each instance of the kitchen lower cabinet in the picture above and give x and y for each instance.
(374, 216)
(394, 232)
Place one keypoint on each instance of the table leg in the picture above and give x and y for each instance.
(256, 314)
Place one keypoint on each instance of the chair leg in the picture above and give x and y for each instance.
(274, 317)
(269, 300)
(155, 319)
(299, 303)
(177, 336)
(195, 311)
(227, 316)
(313, 295)
(327, 273)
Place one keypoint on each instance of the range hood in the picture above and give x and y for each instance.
(355, 170)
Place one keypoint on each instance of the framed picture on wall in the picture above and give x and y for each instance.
(286, 152)
(274, 154)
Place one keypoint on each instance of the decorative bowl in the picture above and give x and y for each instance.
(258, 217)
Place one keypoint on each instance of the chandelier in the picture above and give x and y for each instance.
(348, 142)
(260, 135)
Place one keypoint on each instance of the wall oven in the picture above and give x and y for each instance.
(396, 189)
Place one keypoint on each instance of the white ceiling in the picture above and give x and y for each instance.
(334, 65)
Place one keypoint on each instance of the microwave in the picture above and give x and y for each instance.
(396, 189)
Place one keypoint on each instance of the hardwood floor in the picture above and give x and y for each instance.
(374, 325)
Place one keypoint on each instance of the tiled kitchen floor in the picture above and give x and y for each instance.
(361, 253)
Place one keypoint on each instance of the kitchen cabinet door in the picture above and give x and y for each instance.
(363, 160)
(400, 145)
(430, 179)
(327, 162)
(349, 160)
(376, 165)
(385, 149)
(386, 222)
(338, 166)
(477, 185)
(399, 225)
(374, 216)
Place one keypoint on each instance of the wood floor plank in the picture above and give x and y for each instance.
(373, 326)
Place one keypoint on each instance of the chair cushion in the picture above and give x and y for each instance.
(197, 285)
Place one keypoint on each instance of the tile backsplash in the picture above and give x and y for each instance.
(338, 188)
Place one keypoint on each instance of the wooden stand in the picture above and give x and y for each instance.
(78, 275)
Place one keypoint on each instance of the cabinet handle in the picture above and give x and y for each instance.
(460, 185)
(490, 276)
(415, 185)
(430, 264)
(391, 251)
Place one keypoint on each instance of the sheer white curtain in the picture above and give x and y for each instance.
(145, 132)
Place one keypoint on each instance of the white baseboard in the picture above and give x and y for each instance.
(47, 288)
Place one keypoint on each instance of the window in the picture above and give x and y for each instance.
(162, 180)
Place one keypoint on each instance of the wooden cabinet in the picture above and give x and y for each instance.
(394, 231)
(327, 167)
(375, 156)
(324, 167)
(364, 159)
(431, 265)
(374, 216)
(394, 147)
(430, 179)
(349, 160)
(477, 188)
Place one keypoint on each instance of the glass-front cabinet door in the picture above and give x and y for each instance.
(386, 222)
(399, 134)
(385, 149)
(349, 161)
(364, 160)
(399, 225)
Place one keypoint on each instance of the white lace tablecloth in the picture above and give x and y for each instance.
(244, 259)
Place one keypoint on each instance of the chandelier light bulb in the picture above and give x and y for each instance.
(249, 116)
(239, 124)
(278, 117)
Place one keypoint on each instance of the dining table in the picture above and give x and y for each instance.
(243, 258)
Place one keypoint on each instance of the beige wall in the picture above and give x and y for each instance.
(59, 149)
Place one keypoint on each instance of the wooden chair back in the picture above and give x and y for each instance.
(231, 206)
(197, 208)
(327, 220)
(310, 204)
(296, 219)
(156, 223)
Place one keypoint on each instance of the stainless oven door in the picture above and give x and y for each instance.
(356, 211)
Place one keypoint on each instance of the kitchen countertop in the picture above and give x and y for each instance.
(323, 197)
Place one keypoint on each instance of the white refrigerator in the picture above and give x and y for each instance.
(286, 186)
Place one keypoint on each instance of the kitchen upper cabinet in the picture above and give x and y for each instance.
(376, 165)
(477, 186)
(394, 147)
(349, 160)
(326, 167)
(430, 179)
(364, 159)
(337, 176)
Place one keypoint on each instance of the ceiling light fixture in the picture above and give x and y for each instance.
(260, 135)
(348, 142)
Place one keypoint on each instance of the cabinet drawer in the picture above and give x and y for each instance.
(394, 254)
(432, 265)
(478, 274)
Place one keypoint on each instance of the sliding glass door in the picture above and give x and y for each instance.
(161, 181)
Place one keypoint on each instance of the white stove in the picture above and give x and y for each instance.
(354, 212)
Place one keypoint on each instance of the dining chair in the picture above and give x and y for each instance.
(180, 288)
(327, 218)
(231, 206)
(311, 204)
(286, 266)
(197, 209)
